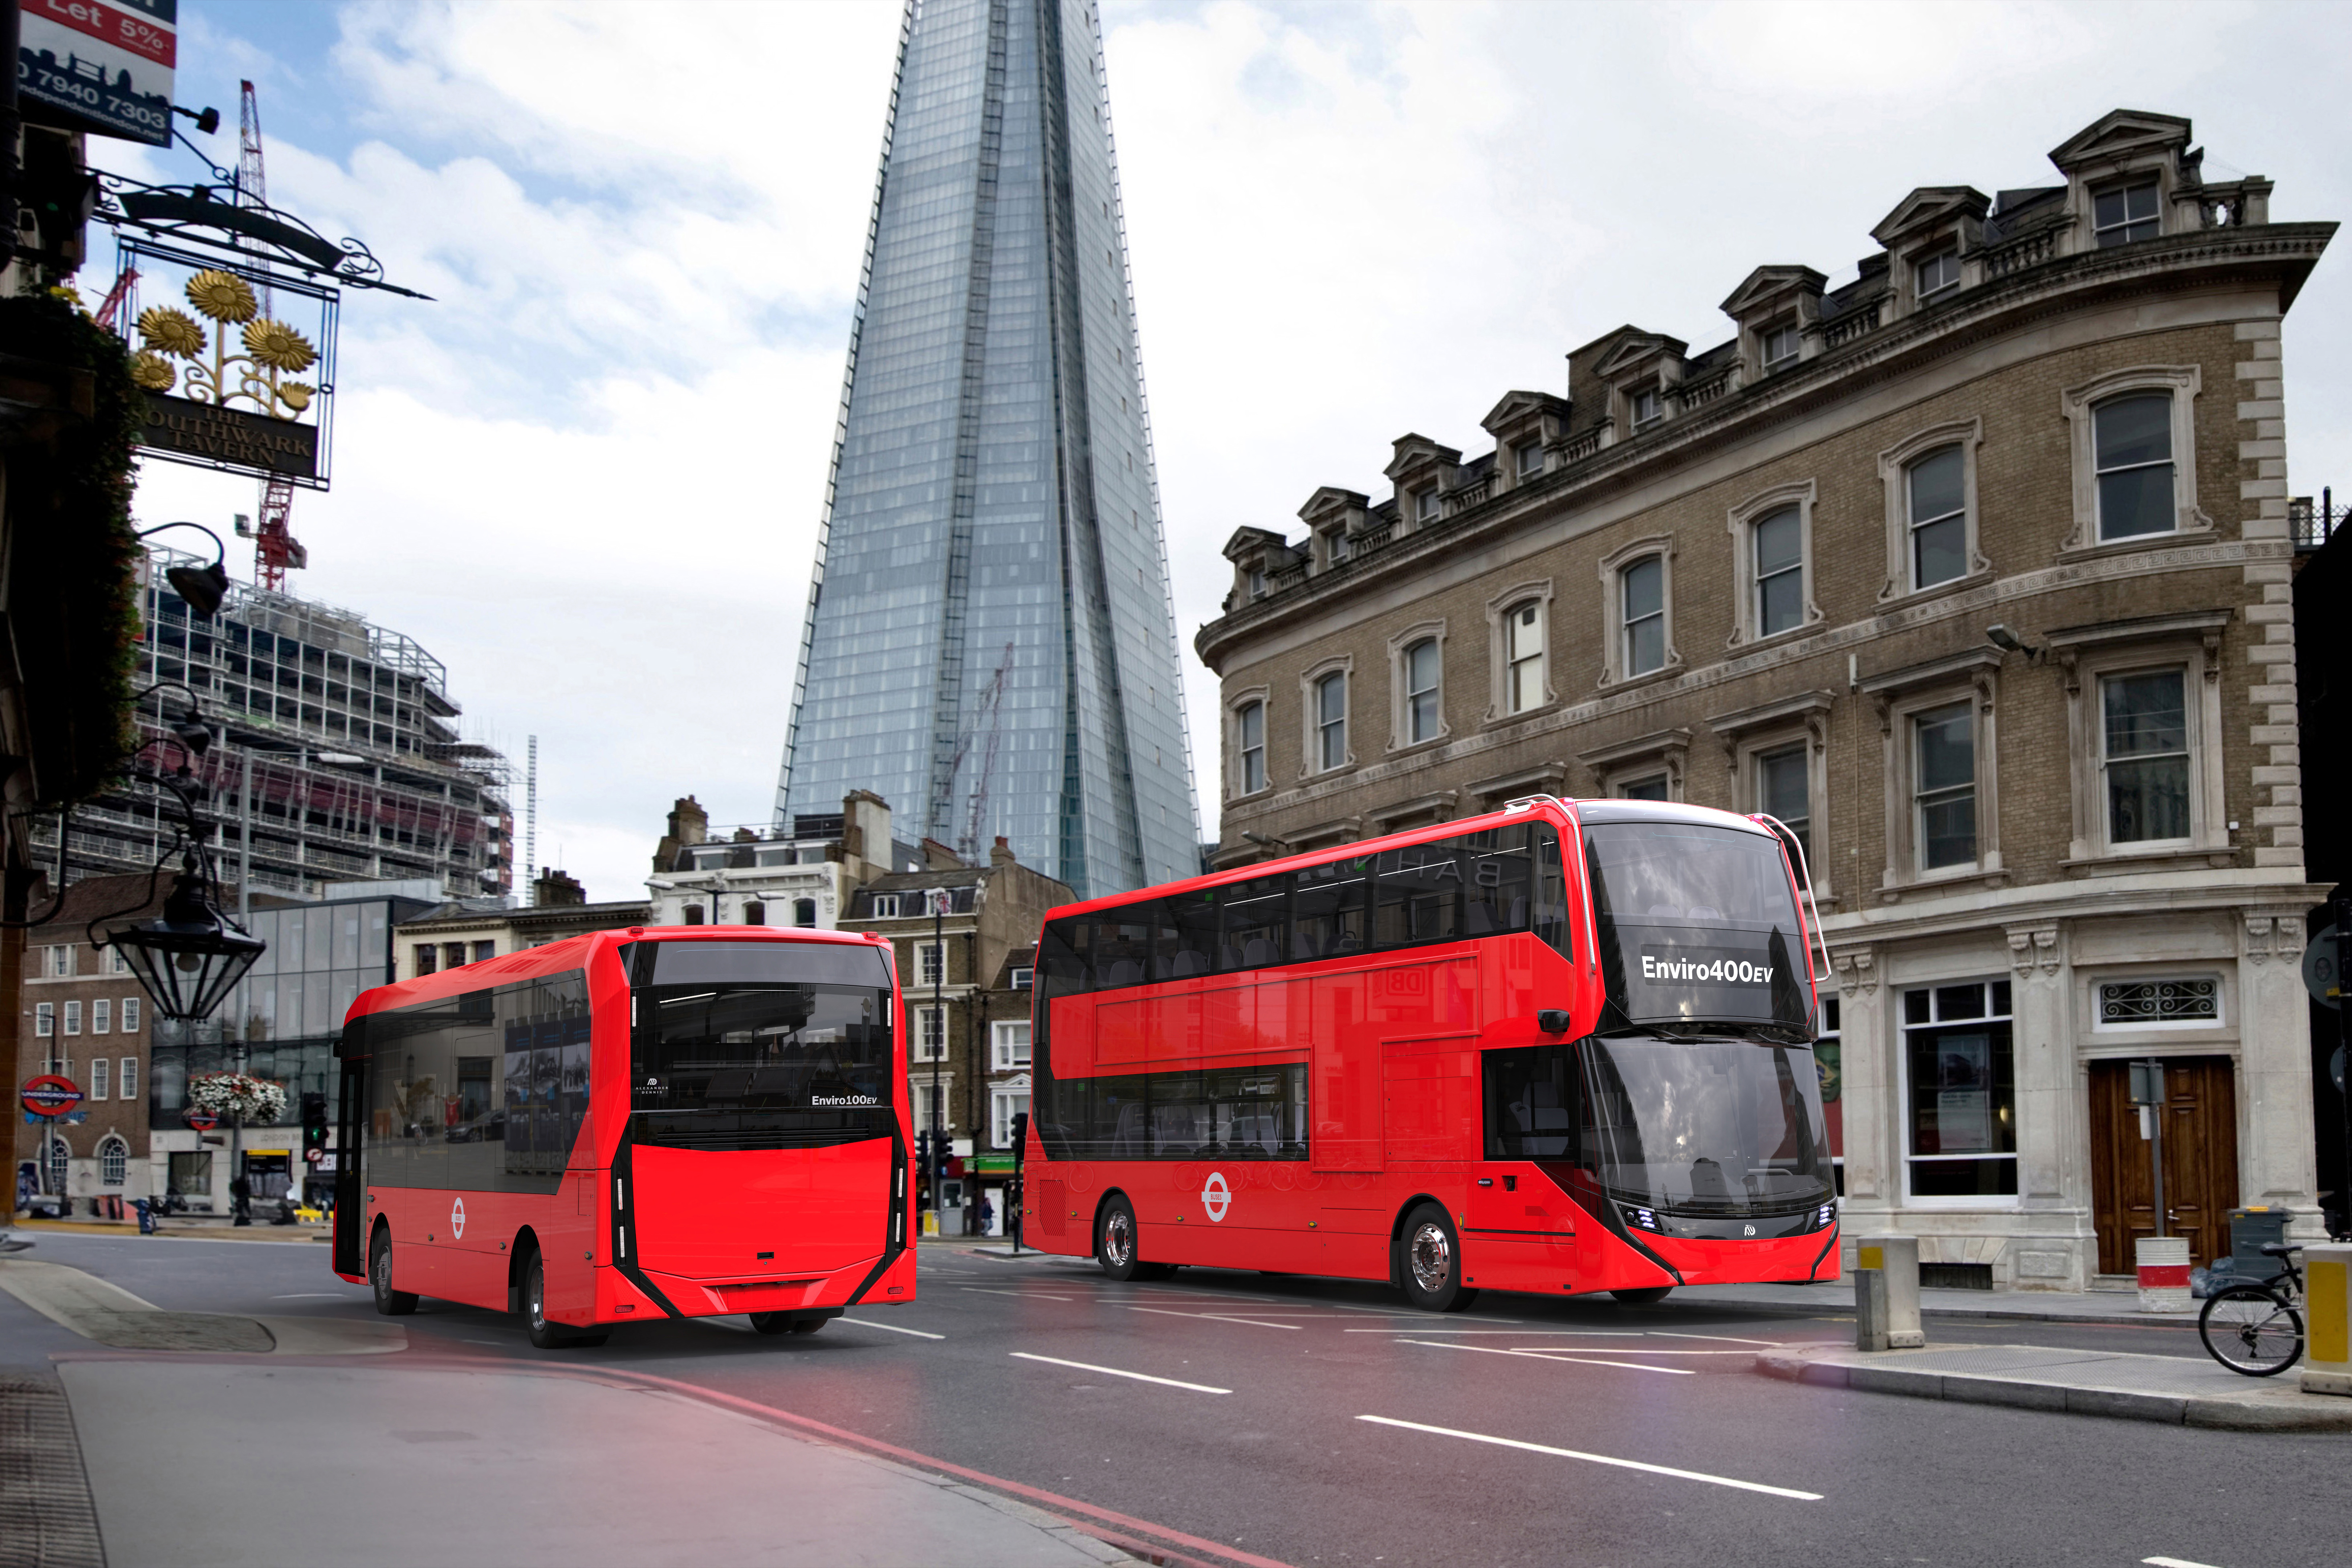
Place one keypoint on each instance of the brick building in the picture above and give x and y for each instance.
(86, 1019)
(471, 931)
(1977, 571)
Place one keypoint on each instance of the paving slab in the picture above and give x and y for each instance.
(372, 1462)
(2176, 1391)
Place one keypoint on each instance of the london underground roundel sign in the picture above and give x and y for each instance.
(203, 1120)
(50, 1095)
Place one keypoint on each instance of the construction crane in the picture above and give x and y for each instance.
(991, 716)
(275, 549)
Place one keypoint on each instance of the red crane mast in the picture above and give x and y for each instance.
(275, 549)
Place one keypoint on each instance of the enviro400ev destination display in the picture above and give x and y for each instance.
(1563, 1048)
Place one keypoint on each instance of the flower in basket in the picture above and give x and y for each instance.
(237, 1094)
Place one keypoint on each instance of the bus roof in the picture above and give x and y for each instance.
(574, 952)
(1590, 811)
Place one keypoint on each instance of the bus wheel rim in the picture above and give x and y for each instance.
(1431, 1258)
(1117, 1241)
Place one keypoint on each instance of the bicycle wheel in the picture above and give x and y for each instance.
(2248, 1329)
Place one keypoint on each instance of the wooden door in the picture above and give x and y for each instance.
(2201, 1160)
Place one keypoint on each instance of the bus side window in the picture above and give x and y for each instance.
(1531, 1104)
(1327, 910)
(1192, 925)
(1253, 926)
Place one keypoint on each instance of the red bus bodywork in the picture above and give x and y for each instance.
(1393, 1044)
(631, 1233)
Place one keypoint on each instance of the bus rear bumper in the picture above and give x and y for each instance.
(619, 1300)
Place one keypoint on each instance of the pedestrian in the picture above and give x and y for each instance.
(240, 1198)
(987, 1214)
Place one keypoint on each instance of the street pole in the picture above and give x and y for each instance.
(2155, 1144)
(938, 1107)
(2344, 1035)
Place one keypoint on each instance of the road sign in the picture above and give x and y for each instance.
(51, 1095)
(203, 1120)
(2319, 976)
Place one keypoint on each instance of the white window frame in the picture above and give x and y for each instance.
(1008, 1043)
(1903, 1103)
(1237, 704)
(1915, 795)
(113, 1161)
(1499, 610)
(60, 961)
(128, 1019)
(2190, 642)
(1005, 1101)
(1772, 363)
(1024, 977)
(2185, 382)
(1428, 506)
(115, 962)
(2220, 1020)
(1636, 399)
(45, 1020)
(101, 1015)
(919, 1046)
(2147, 181)
(1311, 711)
(1613, 567)
(931, 964)
(72, 1015)
(1748, 610)
(1942, 253)
(1900, 699)
(1400, 736)
(100, 1075)
(126, 1084)
(883, 907)
(920, 1103)
(1520, 465)
(1895, 474)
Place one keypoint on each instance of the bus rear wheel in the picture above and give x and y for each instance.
(1429, 1262)
(545, 1333)
(1117, 1243)
(791, 1322)
(392, 1303)
(1643, 1295)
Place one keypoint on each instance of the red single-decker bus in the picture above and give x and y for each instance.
(1561, 1048)
(665, 1121)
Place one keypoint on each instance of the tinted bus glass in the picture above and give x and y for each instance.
(760, 1046)
(1707, 1127)
(1697, 925)
(1227, 1113)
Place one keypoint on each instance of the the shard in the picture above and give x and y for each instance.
(990, 644)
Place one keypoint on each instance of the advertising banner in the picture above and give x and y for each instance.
(104, 65)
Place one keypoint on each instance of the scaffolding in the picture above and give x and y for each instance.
(337, 756)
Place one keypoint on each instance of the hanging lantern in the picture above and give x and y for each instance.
(189, 958)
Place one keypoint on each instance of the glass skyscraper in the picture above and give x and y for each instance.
(990, 644)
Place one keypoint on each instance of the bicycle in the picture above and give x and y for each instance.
(2255, 1328)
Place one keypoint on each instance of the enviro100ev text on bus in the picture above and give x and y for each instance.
(1562, 1047)
(627, 1125)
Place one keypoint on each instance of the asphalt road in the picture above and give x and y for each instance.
(1316, 1422)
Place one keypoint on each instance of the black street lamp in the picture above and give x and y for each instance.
(188, 958)
(203, 588)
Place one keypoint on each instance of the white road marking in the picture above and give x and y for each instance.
(500, 1343)
(1018, 1295)
(1733, 1339)
(319, 1295)
(1600, 1459)
(2174, 1562)
(894, 1327)
(1114, 1371)
(1548, 1355)
(1555, 1350)
(1214, 1318)
(1512, 1333)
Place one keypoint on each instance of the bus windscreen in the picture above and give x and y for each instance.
(1725, 1128)
(1699, 925)
(762, 1045)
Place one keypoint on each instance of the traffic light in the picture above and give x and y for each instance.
(1020, 1134)
(923, 1149)
(314, 1126)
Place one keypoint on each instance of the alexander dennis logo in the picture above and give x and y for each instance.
(843, 1099)
(1717, 971)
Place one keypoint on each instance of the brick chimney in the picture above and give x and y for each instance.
(554, 889)
(688, 824)
(1002, 855)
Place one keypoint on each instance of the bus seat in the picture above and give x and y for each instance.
(1303, 944)
(1229, 958)
(1126, 971)
(1480, 920)
(1258, 950)
(1706, 913)
(1671, 911)
(1189, 963)
(1518, 914)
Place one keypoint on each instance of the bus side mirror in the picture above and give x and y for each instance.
(1553, 1021)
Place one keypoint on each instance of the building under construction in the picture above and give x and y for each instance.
(337, 757)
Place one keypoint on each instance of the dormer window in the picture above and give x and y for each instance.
(1335, 544)
(1528, 455)
(1781, 347)
(1938, 274)
(1424, 505)
(1257, 583)
(1648, 408)
(2126, 215)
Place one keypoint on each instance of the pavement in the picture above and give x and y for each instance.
(1219, 1419)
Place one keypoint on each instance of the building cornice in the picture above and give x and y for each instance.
(2278, 254)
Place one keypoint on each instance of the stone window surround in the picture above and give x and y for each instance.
(2085, 186)
(1235, 702)
(1664, 752)
(1388, 818)
(1741, 520)
(2184, 382)
(1753, 362)
(1612, 610)
(1899, 696)
(1492, 794)
(1772, 726)
(2222, 1030)
(1400, 716)
(1310, 751)
(1895, 474)
(1498, 648)
(2190, 642)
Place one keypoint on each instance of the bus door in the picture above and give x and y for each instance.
(350, 1112)
(1529, 1113)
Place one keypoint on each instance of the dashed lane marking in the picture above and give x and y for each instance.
(1214, 1318)
(894, 1327)
(1114, 1371)
(1017, 1295)
(1551, 1355)
(1733, 1339)
(1598, 1458)
(2173, 1562)
(1510, 1333)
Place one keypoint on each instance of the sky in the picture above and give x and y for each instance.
(587, 474)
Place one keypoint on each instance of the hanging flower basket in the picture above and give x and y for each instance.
(237, 1094)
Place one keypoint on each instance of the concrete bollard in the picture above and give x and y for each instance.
(2163, 1273)
(2328, 1319)
(1870, 1309)
(1897, 1258)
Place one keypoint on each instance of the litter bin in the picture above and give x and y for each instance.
(2250, 1230)
(146, 1215)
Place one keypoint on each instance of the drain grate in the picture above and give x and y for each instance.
(47, 1519)
(1956, 1276)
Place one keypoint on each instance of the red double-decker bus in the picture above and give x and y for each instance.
(665, 1121)
(1561, 1048)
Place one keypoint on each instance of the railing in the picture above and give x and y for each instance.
(1707, 389)
(1576, 448)
(2313, 524)
(1842, 330)
(1471, 494)
(2020, 253)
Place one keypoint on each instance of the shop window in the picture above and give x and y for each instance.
(190, 1175)
(1959, 1093)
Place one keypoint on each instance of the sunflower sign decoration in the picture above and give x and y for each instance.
(273, 351)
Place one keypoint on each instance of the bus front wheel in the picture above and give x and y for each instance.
(392, 1303)
(1430, 1264)
(545, 1333)
(1642, 1295)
